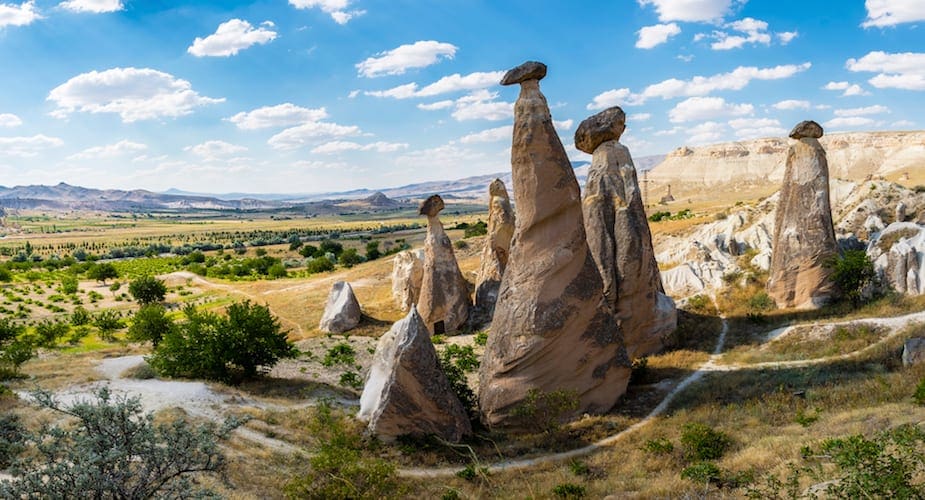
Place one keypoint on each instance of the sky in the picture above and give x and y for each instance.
(306, 96)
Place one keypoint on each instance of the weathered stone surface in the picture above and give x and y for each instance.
(804, 236)
(444, 291)
(608, 125)
(406, 392)
(497, 248)
(900, 212)
(552, 329)
(621, 244)
(901, 265)
(806, 128)
(530, 70)
(914, 351)
(407, 275)
(342, 311)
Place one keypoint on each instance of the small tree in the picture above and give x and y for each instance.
(350, 258)
(102, 272)
(150, 323)
(14, 348)
(372, 250)
(69, 284)
(852, 273)
(147, 289)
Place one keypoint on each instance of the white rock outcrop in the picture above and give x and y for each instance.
(342, 311)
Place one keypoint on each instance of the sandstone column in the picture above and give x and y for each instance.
(619, 236)
(497, 248)
(804, 238)
(553, 331)
(444, 301)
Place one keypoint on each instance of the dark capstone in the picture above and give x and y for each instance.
(608, 125)
(530, 70)
(806, 128)
(431, 206)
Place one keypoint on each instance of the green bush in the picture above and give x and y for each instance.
(545, 411)
(147, 289)
(349, 258)
(319, 265)
(702, 472)
(852, 272)
(702, 442)
(341, 353)
(351, 380)
(107, 321)
(150, 323)
(102, 272)
(69, 284)
(457, 379)
(481, 338)
(462, 356)
(569, 490)
(12, 438)
(919, 395)
(277, 271)
(480, 228)
(15, 349)
(658, 446)
(372, 250)
(50, 332)
(80, 316)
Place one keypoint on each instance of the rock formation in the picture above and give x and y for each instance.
(804, 237)
(444, 302)
(898, 254)
(342, 312)
(914, 351)
(407, 275)
(553, 331)
(497, 248)
(406, 392)
(619, 237)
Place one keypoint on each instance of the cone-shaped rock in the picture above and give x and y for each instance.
(342, 312)
(406, 392)
(407, 275)
(619, 237)
(552, 330)
(804, 238)
(444, 292)
(497, 248)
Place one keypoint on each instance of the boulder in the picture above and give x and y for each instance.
(444, 301)
(608, 125)
(914, 351)
(553, 333)
(406, 392)
(342, 312)
(497, 248)
(620, 241)
(804, 237)
(407, 275)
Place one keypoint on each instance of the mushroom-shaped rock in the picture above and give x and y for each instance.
(804, 237)
(342, 311)
(608, 125)
(444, 302)
(621, 243)
(552, 332)
(406, 391)
(497, 248)
(530, 70)
(407, 275)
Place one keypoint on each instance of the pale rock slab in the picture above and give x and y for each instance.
(342, 311)
(407, 276)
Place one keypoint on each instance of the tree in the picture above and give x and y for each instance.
(102, 272)
(147, 289)
(852, 273)
(115, 450)
(150, 323)
(14, 348)
(308, 251)
(372, 250)
(350, 258)
(69, 284)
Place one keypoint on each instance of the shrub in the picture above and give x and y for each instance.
(78, 334)
(308, 251)
(150, 323)
(69, 284)
(147, 289)
(761, 302)
(658, 446)
(545, 411)
(102, 272)
(350, 258)
(115, 451)
(49, 332)
(12, 438)
(107, 321)
(460, 244)
(333, 247)
(457, 378)
(319, 265)
(702, 442)
(481, 338)
(372, 250)
(351, 379)
(478, 229)
(80, 316)
(569, 490)
(702, 472)
(341, 353)
(852, 272)
(462, 356)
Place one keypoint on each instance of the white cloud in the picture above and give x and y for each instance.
(109, 151)
(301, 135)
(903, 123)
(705, 133)
(704, 108)
(849, 89)
(904, 70)
(445, 85)
(215, 149)
(9, 120)
(337, 9)
(638, 117)
(27, 147)
(613, 97)
(230, 38)
(786, 37)
(868, 110)
(563, 124)
(689, 10)
(754, 128)
(132, 93)
(18, 15)
(736, 79)
(849, 121)
(481, 105)
(754, 30)
(281, 115)
(791, 104)
(881, 13)
(335, 147)
(490, 135)
(652, 36)
(434, 106)
(404, 57)
(94, 6)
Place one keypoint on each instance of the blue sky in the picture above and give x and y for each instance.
(321, 95)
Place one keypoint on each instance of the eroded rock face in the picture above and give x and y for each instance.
(342, 311)
(898, 254)
(552, 330)
(407, 276)
(620, 241)
(914, 351)
(497, 248)
(444, 301)
(406, 392)
(804, 236)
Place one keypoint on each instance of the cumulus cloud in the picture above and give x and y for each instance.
(445, 85)
(849, 89)
(736, 79)
(230, 38)
(904, 70)
(689, 10)
(301, 135)
(335, 147)
(849, 121)
(868, 110)
(754, 128)
(489, 135)
(337, 9)
(704, 108)
(613, 97)
(563, 124)
(902, 123)
(120, 148)
(786, 37)
(18, 15)
(653, 36)
(882, 13)
(638, 117)
(281, 115)
(706, 133)
(132, 93)
(9, 120)
(404, 57)
(215, 149)
(27, 147)
(753, 31)
(481, 105)
(789, 104)
(434, 106)
(93, 6)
